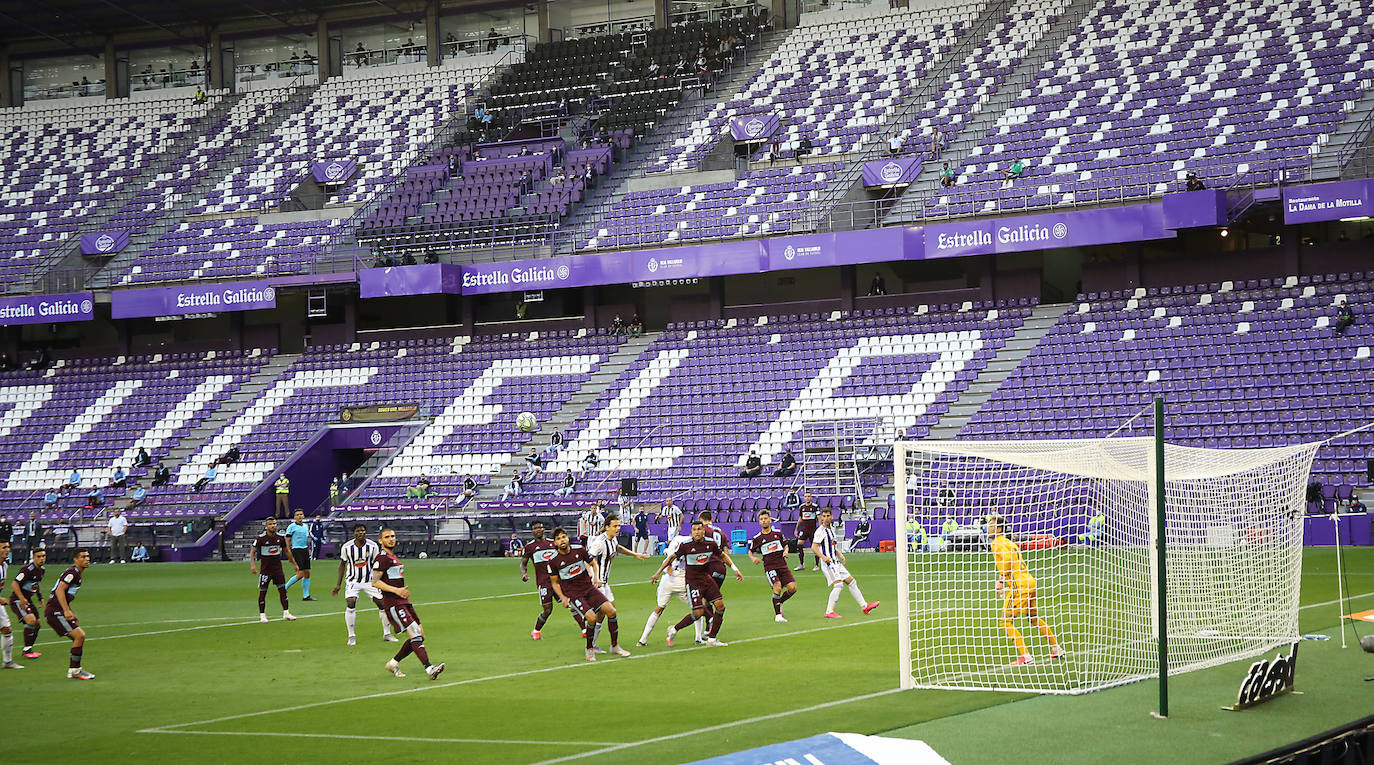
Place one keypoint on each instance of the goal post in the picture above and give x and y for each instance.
(1082, 517)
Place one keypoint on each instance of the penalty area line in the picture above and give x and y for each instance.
(720, 726)
(352, 737)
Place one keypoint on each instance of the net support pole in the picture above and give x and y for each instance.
(903, 557)
(1340, 580)
(1161, 610)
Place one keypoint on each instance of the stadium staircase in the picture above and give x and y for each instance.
(577, 229)
(241, 398)
(908, 205)
(1043, 318)
(604, 377)
(67, 269)
(1348, 152)
(118, 266)
(360, 478)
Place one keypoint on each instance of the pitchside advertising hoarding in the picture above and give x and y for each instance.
(192, 298)
(45, 309)
(1318, 202)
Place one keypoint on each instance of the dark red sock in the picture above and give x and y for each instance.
(715, 624)
(30, 635)
(686, 622)
(285, 604)
(777, 605)
(405, 650)
(262, 601)
(614, 627)
(591, 636)
(75, 659)
(577, 617)
(539, 623)
(417, 645)
(785, 595)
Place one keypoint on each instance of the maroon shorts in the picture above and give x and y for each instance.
(805, 531)
(779, 576)
(703, 593)
(275, 577)
(402, 618)
(60, 623)
(545, 595)
(21, 611)
(591, 600)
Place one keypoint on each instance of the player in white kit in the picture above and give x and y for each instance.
(602, 549)
(827, 551)
(673, 584)
(6, 634)
(355, 561)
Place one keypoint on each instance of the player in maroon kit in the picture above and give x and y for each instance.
(701, 588)
(576, 587)
(59, 616)
(769, 544)
(25, 596)
(541, 551)
(389, 576)
(269, 547)
(806, 528)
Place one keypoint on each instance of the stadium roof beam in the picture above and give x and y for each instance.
(138, 17)
(12, 20)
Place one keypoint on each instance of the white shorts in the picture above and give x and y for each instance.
(605, 589)
(834, 571)
(353, 590)
(669, 586)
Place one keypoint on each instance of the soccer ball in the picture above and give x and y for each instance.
(1367, 643)
(526, 422)
(424, 555)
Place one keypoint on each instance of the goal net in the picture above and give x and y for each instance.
(1081, 514)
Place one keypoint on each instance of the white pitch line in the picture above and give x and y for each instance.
(410, 739)
(721, 726)
(503, 676)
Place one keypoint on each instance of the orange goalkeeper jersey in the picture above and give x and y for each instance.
(1010, 568)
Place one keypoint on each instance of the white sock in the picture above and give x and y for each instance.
(7, 647)
(834, 598)
(596, 635)
(386, 625)
(350, 619)
(700, 625)
(649, 626)
(858, 596)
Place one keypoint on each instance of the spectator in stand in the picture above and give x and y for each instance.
(423, 483)
(120, 480)
(878, 286)
(162, 475)
(589, 462)
(38, 362)
(558, 177)
(774, 150)
(72, 484)
(119, 528)
(534, 462)
(1193, 183)
(681, 68)
(526, 183)
(618, 326)
(513, 487)
(935, 139)
(139, 496)
(359, 55)
(140, 554)
(1356, 506)
(231, 456)
(636, 327)
(753, 466)
(414, 492)
(1012, 173)
(469, 489)
(569, 483)
(1345, 316)
(861, 532)
(210, 474)
(804, 147)
(142, 459)
(791, 501)
(200, 96)
(653, 70)
(894, 144)
(493, 40)
(556, 442)
(95, 498)
(946, 175)
(49, 503)
(788, 467)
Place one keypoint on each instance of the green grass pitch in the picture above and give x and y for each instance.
(185, 673)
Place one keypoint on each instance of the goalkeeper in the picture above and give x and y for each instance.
(1017, 587)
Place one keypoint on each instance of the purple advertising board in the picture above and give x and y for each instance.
(897, 171)
(104, 242)
(192, 298)
(690, 262)
(841, 248)
(1191, 209)
(426, 279)
(545, 273)
(753, 127)
(1075, 228)
(1328, 201)
(45, 309)
(334, 171)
